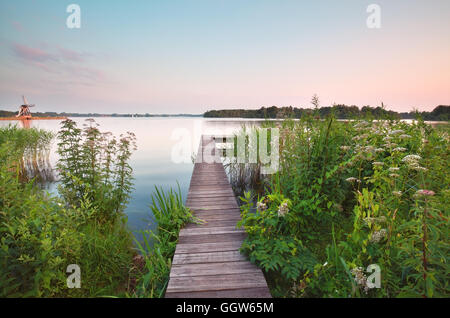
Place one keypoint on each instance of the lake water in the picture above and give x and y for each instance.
(153, 164)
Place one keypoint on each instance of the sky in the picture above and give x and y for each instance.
(190, 56)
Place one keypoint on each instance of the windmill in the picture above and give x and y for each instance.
(24, 110)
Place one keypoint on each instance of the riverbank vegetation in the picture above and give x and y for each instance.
(158, 247)
(41, 234)
(349, 195)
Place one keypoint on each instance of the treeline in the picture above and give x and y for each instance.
(340, 111)
(5, 113)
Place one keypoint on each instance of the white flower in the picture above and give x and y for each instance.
(399, 149)
(283, 209)
(369, 148)
(417, 167)
(379, 150)
(405, 136)
(360, 278)
(397, 193)
(377, 236)
(345, 148)
(411, 158)
(260, 206)
(396, 132)
(378, 163)
(394, 175)
(352, 179)
(393, 169)
(423, 192)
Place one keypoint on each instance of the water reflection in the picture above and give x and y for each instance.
(152, 162)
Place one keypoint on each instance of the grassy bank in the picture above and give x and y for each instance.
(348, 195)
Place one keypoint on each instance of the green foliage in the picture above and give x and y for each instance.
(271, 241)
(40, 235)
(359, 193)
(94, 165)
(159, 246)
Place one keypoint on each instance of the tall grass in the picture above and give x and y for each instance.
(158, 247)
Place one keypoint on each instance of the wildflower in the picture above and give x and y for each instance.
(260, 206)
(359, 137)
(379, 150)
(411, 158)
(393, 169)
(369, 148)
(378, 163)
(390, 144)
(404, 136)
(423, 192)
(417, 167)
(397, 193)
(396, 132)
(394, 175)
(377, 236)
(399, 149)
(345, 148)
(387, 138)
(283, 209)
(360, 278)
(361, 124)
(352, 179)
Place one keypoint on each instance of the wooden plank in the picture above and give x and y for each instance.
(212, 269)
(219, 206)
(203, 200)
(212, 238)
(208, 257)
(220, 282)
(214, 223)
(206, 216)
(183, 248)
(210, 231)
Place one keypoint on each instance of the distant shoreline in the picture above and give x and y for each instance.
(33, 118)
(439, 113)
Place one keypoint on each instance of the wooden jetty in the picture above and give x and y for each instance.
(207, 261)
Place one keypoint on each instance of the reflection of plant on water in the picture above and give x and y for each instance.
(35, 163)
(32, 146)
(243, 176)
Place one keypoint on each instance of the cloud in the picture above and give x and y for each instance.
(32, 54)
(70, 55)
(67, 63)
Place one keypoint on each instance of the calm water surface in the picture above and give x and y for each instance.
(152, 161)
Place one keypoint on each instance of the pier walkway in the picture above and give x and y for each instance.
(207, 261)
